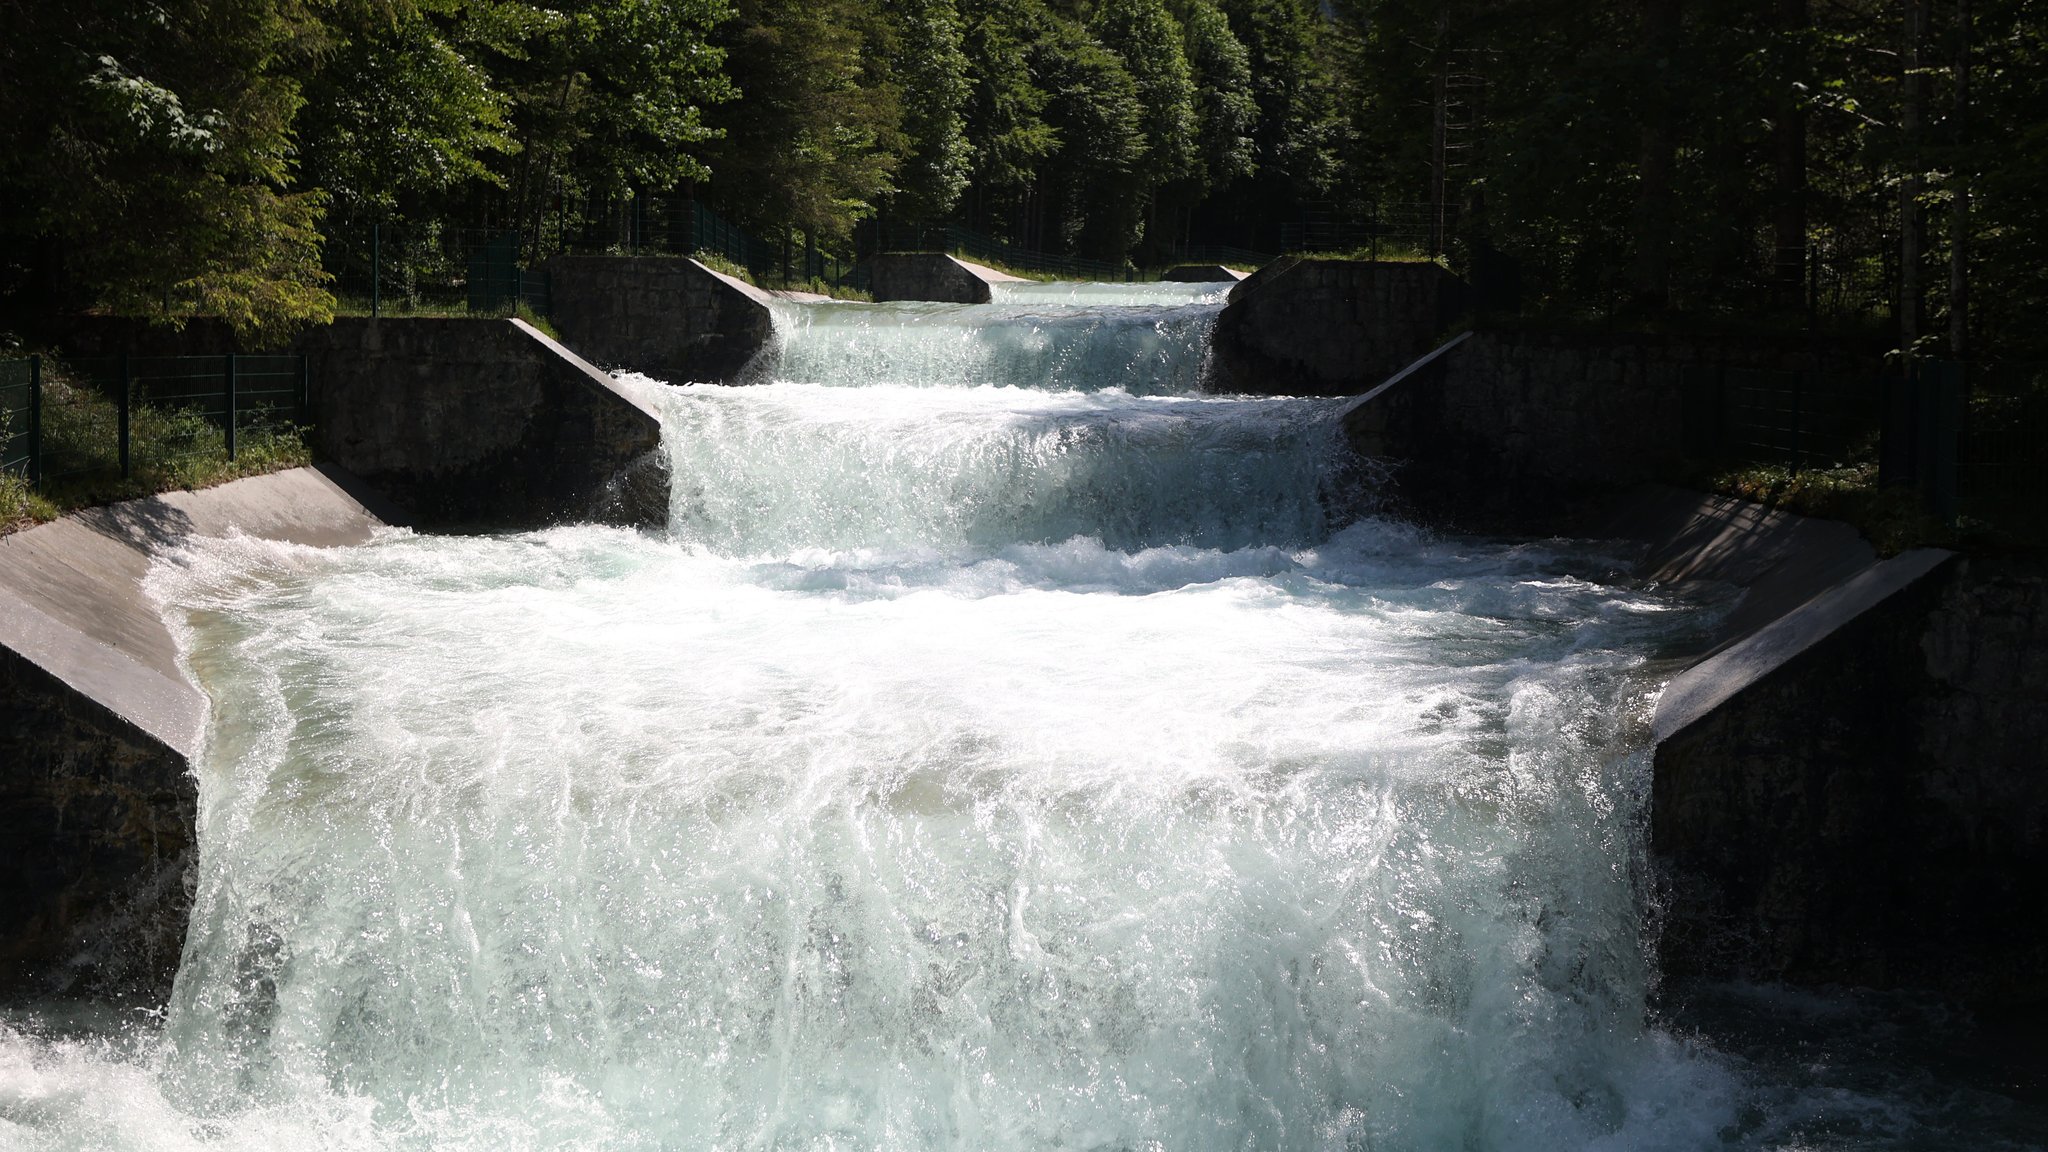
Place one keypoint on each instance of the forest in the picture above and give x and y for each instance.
(1870, 166)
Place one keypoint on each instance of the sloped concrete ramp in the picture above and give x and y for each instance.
(98, 727)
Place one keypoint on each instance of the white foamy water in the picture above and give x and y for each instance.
(1141, 339)
(967, 768)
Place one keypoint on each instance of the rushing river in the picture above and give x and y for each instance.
(1006, 747)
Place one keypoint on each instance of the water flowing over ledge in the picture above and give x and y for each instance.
(1002, 757)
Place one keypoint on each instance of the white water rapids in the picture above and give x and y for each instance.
(1006, 748)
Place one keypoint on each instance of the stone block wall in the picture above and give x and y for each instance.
(927, 276)
(667, 316)
(1313, 327)
(1514, 421)
(478, 423)
(98, 818)
(1875, 811)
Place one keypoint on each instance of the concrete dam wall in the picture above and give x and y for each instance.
(480, 423)
(98, 725)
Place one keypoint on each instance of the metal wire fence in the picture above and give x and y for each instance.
(1373, 230)
(1800, 419)
(2001, 448)
(427, 269)
(113, 416)
(20, 413)
(951, 238)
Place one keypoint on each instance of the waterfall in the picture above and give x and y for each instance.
(1007, 747)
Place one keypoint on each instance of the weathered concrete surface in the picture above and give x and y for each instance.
(1513, 427)
(1858, 795)
(931, 276)
(98, 725)
(1317, 327)
(1779, 560)
(1202, 274)
(667, 316)
(482, 424)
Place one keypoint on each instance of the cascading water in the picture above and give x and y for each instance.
(1006, 748)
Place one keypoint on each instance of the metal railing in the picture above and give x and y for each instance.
(1373, 230)
(86, 423)
(21, 394)
(951, 238)
(400, 269)
(1800, 419)
(1219, 254)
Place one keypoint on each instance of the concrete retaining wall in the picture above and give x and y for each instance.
(1202, 274)
(667, 316)
(1856, 794)
(482, 423)
(1330, 327)
(1511, 427)
(931, 276)
(98, 724)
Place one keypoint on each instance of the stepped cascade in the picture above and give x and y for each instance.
(1007, 746)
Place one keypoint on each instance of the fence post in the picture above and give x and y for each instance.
(1948, 401)
(121, 408)
(35, 420)
(231, 406)
(1798, 416)
(376, 269)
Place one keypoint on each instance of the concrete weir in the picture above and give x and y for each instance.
(1847, 783)
(98, 725)
(482, 424)
(438, 423)
(668, 316)
(1330, 327)
(932, 276)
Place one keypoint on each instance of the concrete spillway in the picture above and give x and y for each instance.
(1002, 744)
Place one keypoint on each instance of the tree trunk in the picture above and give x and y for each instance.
(1912, 112)
(1959, 208)
(1789, 140)
(1657, 158)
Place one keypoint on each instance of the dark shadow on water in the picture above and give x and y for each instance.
(1834, 1070)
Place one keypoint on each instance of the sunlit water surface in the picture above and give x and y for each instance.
(970, 766)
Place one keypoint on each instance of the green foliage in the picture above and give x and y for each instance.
(146, 156)
(815, 140)
(399, 115)
(1093, 192)
(1005, 118)
(1147, 39)
(931, 66)
(170, 158)
(1222, 74)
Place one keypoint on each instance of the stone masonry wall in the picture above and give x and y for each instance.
(1513, 421)
(97, 817)
(1875, 812)
(480, 423)
(1330, 327)
(925, 276)
(667, 316)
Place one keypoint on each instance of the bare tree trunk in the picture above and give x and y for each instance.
(1912, 113)
(1789, 138)
(1657, 158)
(1959, 209)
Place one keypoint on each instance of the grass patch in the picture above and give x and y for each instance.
(169, 449)
(1892, 519)
(1387, 254)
